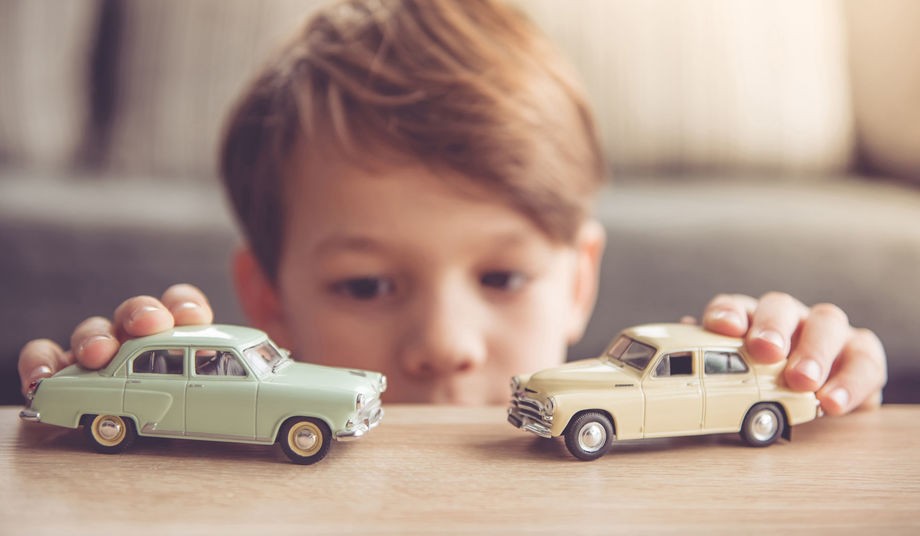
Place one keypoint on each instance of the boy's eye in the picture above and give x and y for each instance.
(365, 288)
(503, 280)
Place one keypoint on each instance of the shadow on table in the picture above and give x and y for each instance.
(555, 450)
(47, 439)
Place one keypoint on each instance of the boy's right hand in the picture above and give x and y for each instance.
(96, 340)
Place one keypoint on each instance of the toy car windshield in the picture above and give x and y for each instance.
(631, 352)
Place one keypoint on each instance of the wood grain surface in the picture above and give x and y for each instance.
(436, 470)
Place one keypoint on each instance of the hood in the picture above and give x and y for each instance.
(311, 376)
(578, 374)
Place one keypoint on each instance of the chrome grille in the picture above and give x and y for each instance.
(527, 406)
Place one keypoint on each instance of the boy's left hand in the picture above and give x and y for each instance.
(843, 365)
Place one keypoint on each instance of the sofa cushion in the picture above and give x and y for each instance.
(717, 84)
(45, 52)
(180, 67)
(886, 84)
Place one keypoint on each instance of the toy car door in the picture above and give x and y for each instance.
(155, 390)
(221, 395)
(673, 399)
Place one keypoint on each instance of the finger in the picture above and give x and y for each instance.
(188, 305)
(823, 336)
(773, 325)
(729, 314)
(140, 316)
(858, 376)
(93, 342)
(39, 359)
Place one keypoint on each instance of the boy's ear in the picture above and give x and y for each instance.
(258, 297)
(589, 250)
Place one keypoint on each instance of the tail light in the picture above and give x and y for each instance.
(30, 392)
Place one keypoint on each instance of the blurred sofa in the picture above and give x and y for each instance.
(754, 146)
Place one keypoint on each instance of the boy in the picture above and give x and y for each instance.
(414, 180)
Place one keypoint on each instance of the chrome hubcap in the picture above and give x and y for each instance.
(764, 425)
(305, 439)
(592, 437)
(109, 429)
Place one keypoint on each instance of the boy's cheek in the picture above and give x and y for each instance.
(336, 340)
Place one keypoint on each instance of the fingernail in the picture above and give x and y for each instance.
(42, 371)
(840, 396)
(727, 315)
(810, 369)
(142, 311)
(772, 337)
(187, 305)
(91, 340)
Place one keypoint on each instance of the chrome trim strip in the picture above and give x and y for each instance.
(30, 415)
(151, 429)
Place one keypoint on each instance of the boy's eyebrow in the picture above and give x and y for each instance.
(503, 240)
(348, 242)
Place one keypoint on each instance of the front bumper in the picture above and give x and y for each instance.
(30, 415)
(531, 415)
(367, 419)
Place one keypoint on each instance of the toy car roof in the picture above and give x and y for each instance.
(678, 335)
(218, 335)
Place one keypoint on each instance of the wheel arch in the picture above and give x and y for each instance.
(577, 414)
(284, 420)
(85, 418)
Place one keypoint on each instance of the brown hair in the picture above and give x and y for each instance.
(469, 86)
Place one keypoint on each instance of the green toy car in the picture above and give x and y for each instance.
(213, 382)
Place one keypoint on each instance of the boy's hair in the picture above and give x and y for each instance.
(467, 86)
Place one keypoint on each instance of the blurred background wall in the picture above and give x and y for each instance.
(754, 145)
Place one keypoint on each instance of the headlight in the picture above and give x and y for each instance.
(515, 384)
(549, 407)
(382, 384)
(359, 402)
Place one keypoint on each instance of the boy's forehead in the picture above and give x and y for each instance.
(363, 208)
(329, 181)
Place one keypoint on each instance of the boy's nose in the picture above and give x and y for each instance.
(446, 338)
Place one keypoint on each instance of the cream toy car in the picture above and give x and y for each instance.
(659, 380)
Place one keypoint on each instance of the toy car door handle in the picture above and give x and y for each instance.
(195, 385)
(134, 381)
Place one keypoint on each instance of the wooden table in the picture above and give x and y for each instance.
(433, 470)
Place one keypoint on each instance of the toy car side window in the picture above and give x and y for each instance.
(218, 363)
(676, 364)
(723, 363)
(165, 361)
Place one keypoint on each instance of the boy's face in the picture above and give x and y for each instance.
(443, 289)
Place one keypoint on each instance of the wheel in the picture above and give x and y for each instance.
(589, 436)
(763, 425)
(109, 434)
(305, 440)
